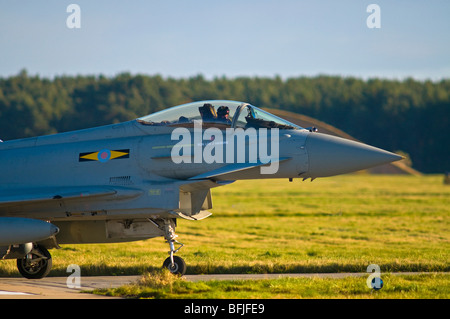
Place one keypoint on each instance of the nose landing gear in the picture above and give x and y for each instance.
(175, 264)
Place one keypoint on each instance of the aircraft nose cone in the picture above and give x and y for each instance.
(330, 155)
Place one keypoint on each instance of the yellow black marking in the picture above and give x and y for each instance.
(104, 155)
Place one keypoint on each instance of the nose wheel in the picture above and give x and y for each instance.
(175, 264)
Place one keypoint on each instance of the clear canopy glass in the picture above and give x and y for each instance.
(217, 113)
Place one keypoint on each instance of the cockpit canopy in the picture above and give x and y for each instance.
(217, 113)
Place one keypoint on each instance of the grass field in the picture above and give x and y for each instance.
(338, 224)
(162, 284)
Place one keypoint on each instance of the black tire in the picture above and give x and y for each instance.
(179, 267)
(38, 269)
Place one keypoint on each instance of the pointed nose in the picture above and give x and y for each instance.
(330, 155)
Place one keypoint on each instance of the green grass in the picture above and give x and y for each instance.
(338, 224)
(163, 285)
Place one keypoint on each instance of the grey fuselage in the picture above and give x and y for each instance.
(146, 182)
(126, 181)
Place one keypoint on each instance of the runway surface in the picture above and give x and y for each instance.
(57, 288)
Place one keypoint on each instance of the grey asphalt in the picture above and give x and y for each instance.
(57, 288)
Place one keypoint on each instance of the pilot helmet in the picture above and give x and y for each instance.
(223, 110)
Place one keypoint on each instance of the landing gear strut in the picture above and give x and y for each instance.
(175, 264)
(37, 264)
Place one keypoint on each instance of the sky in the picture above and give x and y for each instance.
(230, 38)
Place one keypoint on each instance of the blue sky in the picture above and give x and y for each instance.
(231, 38)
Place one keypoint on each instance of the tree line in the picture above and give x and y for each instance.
(409, 115)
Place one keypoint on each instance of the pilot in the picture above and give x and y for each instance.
(183, 119)
(208, 113)
(223, 114)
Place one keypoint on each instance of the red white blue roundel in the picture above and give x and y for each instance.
(104, 155)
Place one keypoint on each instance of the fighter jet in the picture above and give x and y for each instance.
(133, 180)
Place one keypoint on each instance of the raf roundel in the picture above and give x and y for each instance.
(104, 155)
